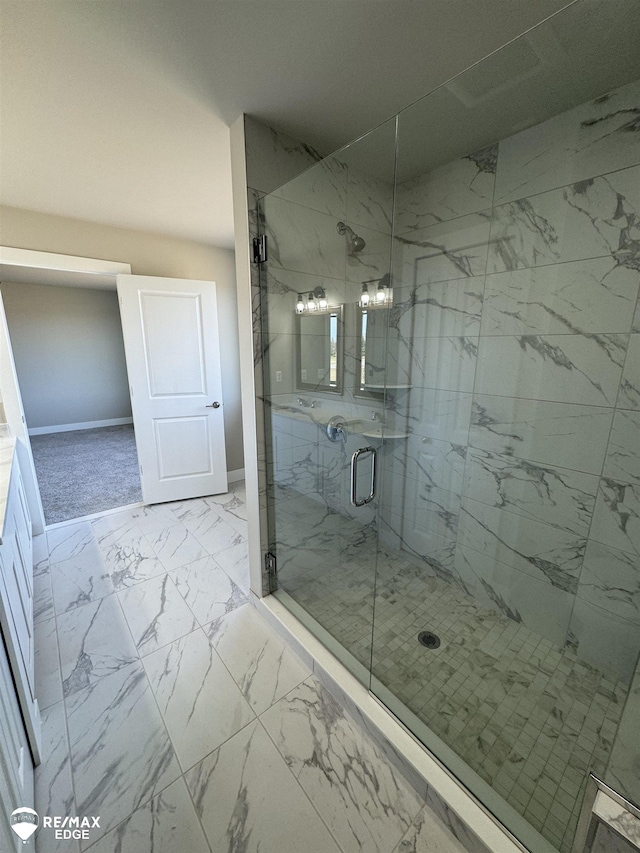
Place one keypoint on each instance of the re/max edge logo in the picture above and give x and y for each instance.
(66, 828)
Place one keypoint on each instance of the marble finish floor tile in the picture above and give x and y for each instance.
(72, 541)
(78, 581)
(121, 755)
(156, 612)
(117, 527)
(166, 824)
(261, 663)
(243, 790)
(54, 788)
(131, 561)
(175, 546)
(94, 643)
(48, 681)
(205, 522)
(366, 804)
(201, 704)
(235, 562)
(208, 590)
(42, 594)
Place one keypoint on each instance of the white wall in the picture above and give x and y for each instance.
(148, 254)
(69, 353)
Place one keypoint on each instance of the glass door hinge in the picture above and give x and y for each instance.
(270, 564)
(260, 249)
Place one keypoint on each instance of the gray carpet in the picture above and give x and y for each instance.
(86, 471)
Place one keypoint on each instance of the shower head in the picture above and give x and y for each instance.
(356, 243)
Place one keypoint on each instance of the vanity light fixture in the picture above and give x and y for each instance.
(315, 301)
(381, 293)
(364, 298)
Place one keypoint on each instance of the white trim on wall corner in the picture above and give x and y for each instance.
(235, 476)
(86, 425)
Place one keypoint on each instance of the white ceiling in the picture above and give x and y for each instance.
(117, 111)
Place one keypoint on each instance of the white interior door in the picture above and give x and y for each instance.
(170, 330)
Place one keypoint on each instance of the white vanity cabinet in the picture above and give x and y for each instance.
(16, 601)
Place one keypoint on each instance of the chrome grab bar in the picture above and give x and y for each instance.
(354, 476)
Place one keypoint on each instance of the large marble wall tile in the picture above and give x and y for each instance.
(48, 680)
(605, 641)
(304, 240)
(53, 785)
(207, 589)
(322, 187)
(365, 802)
(430, 554)
(121, 755)
(439, 464)
(444, 364)
(370, 200)
(242, 790)
(610, 579)
(630, 385)
(556, 496)
(551, 433)
(563, 368)
(590, 219)
(373, 262)
(539, 605)
(591, 296)
(261, 663)
(424, 508)
(636, 320)
(199, 701)
(455, 189)
(616, 520)
(623, 453)
(166, 824)
(593, 138)
(529, 546)
(623, 771)
(274, 157)
(607, 840)
(94, 643)
(280, 296)
(446, 251)
(76, 582)
(438, 309)
(156, 612)
(443, 415)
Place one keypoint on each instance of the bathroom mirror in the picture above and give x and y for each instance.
(320, 345)
(371, 326)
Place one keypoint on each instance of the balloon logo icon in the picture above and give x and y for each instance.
(24, 823)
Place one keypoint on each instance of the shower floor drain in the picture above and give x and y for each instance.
(431, 641)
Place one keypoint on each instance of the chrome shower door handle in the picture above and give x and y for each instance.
(354, 476)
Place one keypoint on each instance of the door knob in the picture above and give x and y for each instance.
(215, 405)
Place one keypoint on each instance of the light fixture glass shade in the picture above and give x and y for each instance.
(299, 305)
(381, 294)
(364, 298)
(322, 300)
(311, 303)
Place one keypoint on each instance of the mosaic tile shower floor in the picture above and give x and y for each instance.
(529, 717)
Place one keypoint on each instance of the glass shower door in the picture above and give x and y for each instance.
(324, 291)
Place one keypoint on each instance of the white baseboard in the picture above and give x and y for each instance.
(86, 425)
(235, 476)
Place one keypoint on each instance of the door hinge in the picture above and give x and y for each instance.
(260, 249)
(270, 564)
